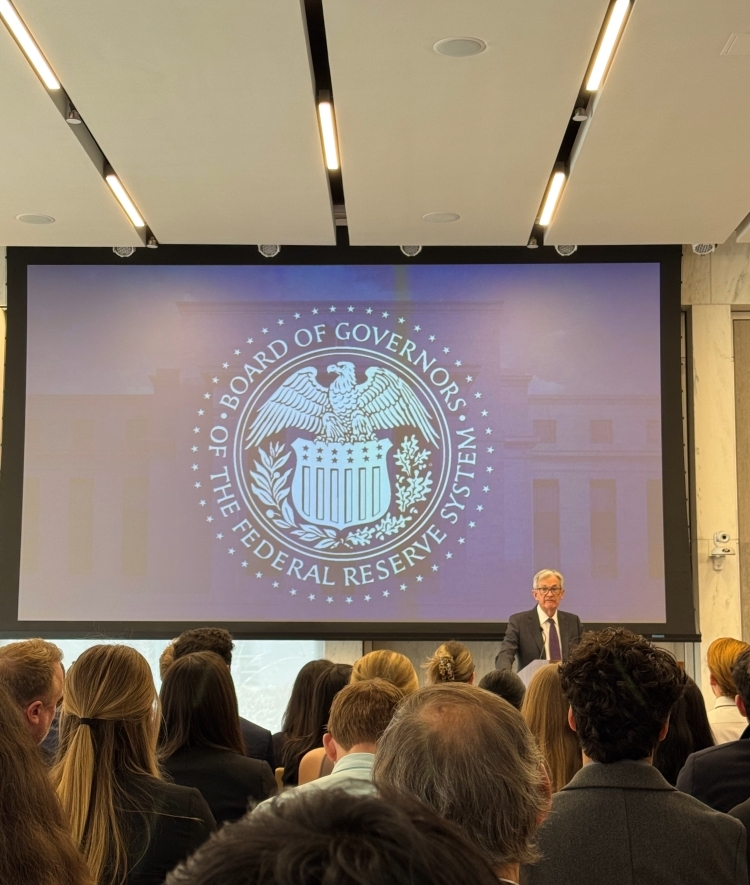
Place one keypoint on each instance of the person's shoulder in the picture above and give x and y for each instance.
(257, 731)
(687, 808)
(168, 798)
(716, 755)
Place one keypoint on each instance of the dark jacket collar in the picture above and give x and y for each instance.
(624, 775)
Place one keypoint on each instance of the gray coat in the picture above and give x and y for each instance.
(524, 637)
(623, 824)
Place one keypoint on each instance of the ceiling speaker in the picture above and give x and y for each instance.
(703, 248)
(123, 251)
(565, 251)
(269, 251)
(410, 251)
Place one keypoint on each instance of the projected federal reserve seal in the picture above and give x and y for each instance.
(342, 455)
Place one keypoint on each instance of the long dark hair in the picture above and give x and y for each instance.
(328, 684)
(36, 846)
(689, 731)
(300, 700)
(199, 706)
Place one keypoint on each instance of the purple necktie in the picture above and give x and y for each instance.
(553, 642)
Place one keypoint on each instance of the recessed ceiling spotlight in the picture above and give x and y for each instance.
(74, 118)
(533, 243)
(441, 217)
(460, 47)
(35, 219)
(580, 114)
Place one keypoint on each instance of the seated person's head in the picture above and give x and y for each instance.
(360, 713)
(470, 756)
(689, 732)
(452, 662)
(741, 677)
(331, 837)
(621, 689)
(505, 684)
(32, 673)
(720, 658)
(205, 639)
(199, 706)
(389, 665)
(166, 659)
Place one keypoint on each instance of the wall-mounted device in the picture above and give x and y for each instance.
(720, 550)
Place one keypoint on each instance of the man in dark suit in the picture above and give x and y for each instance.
(258, 741)
(543, 633)
(720, 776)
(619, 822)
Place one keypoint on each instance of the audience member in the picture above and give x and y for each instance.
(328, 684)
(389, 665)
(452, 662)
(727, 723)
(131, 825)
(166, 659)
(720, 776)
(329, 837)
(545, 710)
(619, 821)
(258, 741)
(688, 732)
(201, 742)
(31, 671)
(36, 847)
(470, 756)
(360, 713)
(505, 684)
(300, 701)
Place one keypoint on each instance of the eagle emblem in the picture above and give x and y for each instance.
(341, 478)
(345, 412)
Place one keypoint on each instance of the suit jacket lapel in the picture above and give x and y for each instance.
(563, 622)
(536, 633)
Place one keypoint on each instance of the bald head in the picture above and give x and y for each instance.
(470, 756)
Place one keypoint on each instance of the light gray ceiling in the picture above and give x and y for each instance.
(207, 113)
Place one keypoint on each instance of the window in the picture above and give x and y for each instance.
(600, 430)
(546, 524)
(546, 430)
(603, 512)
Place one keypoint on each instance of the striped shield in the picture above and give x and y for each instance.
(341, 484)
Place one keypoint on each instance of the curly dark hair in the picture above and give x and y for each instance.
(621, 689)
(205, 639)
(741, 677)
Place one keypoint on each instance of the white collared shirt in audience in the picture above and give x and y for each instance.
(727, 723)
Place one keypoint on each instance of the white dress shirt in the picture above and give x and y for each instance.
(726, 721)
(543, 616)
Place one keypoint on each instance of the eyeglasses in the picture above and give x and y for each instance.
(549, 591)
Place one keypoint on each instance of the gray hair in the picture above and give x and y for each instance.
(545, 573)
(469, 755)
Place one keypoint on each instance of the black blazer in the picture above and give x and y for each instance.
(226, 780)
(719, 776)
(258, 742)
(165, 825)
(524, 637)
(621, 823)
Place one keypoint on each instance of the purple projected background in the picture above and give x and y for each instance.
(341, 443)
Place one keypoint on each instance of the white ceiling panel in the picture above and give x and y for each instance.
(45, 171)
(421, 133)
(205, 110)
(665, 157)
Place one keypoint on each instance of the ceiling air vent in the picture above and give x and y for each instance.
(703, 248)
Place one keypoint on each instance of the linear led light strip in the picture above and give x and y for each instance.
(328, 131)
(27, 44)
(615, 22)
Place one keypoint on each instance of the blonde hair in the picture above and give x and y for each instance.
(108, 730)
(27, 670)
(389, 665)
(452, 662)
(720, 658)
(545, 710)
